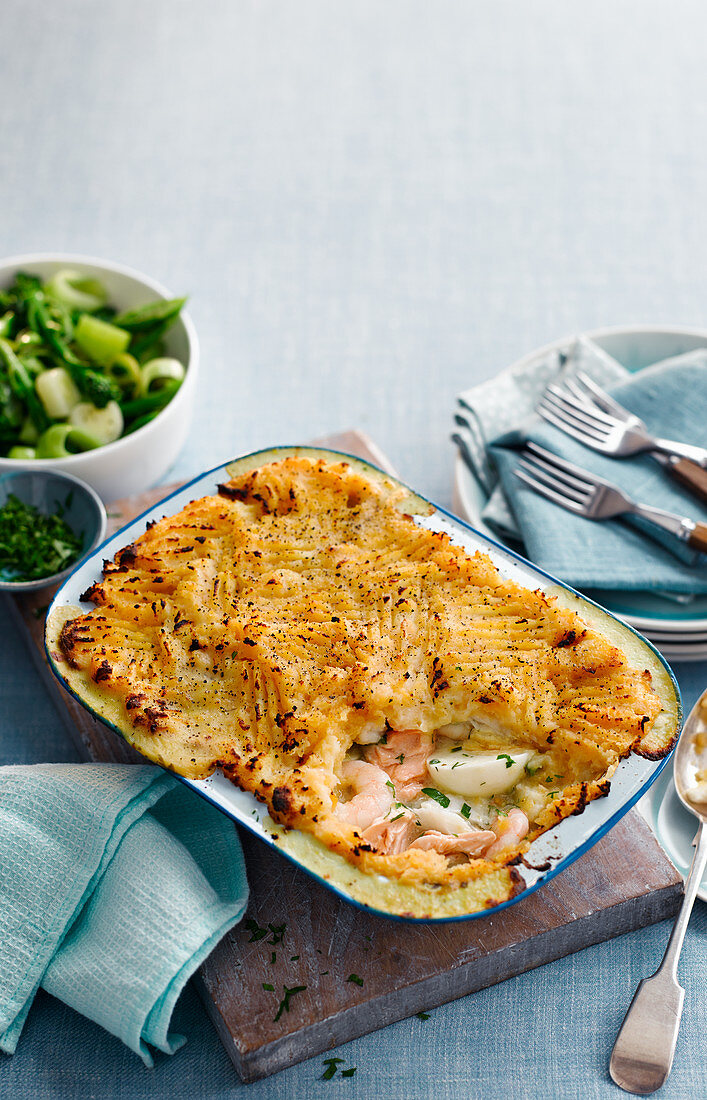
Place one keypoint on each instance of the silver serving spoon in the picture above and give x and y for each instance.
(643, 1053)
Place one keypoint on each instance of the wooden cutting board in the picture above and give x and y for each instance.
(361, 972)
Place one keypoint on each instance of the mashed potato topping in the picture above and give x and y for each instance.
(290, 627)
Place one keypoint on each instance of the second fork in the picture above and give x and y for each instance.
(594, 498)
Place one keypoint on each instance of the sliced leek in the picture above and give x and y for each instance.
(100, 340)
(62, 440)
(76, 291)
(127, 373)
(157, 372)
(57, 392)
(104, 425)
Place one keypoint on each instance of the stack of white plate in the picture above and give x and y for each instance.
(678, 630)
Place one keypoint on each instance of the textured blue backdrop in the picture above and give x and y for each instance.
(372, 206)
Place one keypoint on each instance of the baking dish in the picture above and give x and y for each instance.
(549, 854)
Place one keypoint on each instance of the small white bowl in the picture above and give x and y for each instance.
(139, 460)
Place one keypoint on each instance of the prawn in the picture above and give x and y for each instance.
(372, 794)
(403, 755)
(509, 832)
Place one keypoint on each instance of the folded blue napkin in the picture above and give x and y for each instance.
(671, 396)
(116, 882)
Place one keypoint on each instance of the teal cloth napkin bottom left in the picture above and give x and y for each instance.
(116, 882)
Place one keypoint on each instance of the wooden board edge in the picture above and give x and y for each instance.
(396, 1005)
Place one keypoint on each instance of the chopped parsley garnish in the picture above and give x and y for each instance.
(507, 758)
(285, 1002)
(398, 816)
(257, 933)
(273, 957)
(433, 761)
(35, 545)
(500, 812)
(422, 1015)
(457, 748)
(391, 785)
(400, 758)
(293, 958)
(355, 979)
(437, 795)
(268, 987)
(278, 933)
(331, 1067)
(457, 764)
(466, 810)
(348, 1072)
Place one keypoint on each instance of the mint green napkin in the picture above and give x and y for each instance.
(116, 882)
(622, 554)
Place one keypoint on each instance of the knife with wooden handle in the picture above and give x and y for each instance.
(689, 474)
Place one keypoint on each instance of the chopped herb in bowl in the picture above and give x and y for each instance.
(34, 545)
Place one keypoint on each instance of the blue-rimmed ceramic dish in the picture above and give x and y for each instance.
(548, 855)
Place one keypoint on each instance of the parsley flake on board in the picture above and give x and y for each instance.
(355, 979)
(437, 795)
(257, 933)
(32, 544)
(278, 933)
(284, 1005)
(348, 1072)
(422, 1015)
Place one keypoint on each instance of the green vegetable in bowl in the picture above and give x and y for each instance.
(34, 545)
(74, 373)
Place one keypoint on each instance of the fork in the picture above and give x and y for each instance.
(582, 395)
(586, 412)
(594, 498)
(688, 473)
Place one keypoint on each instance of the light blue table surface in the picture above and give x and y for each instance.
(372, 206)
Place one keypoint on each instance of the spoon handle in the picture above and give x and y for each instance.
(643, 1052)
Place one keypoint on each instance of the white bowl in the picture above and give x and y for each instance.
(139, 460)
